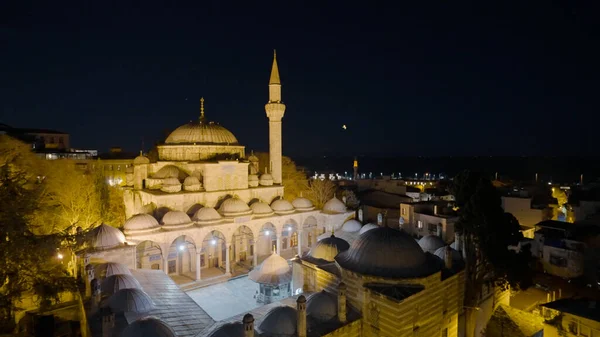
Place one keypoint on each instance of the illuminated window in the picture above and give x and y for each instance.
(420, 224)
(403, 211)
(294, 240)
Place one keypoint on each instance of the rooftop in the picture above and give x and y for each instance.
(581, 307)
(395, 292)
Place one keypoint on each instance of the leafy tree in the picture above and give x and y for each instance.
(29, 262)
(293, 180)
(487, 231)
(320, 191)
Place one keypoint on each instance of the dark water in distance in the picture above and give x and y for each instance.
(556, 169)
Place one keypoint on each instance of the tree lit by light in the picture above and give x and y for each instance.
(60, 256)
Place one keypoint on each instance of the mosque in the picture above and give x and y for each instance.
(205, 206)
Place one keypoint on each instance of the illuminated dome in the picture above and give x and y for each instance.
(233, 207)
(176, 219)
(334, 206)
(273, 270)
(114, 283)
(148, 327)
(141, 223)
(322, 306)
(282, 206)
(367, 228)
(280, 321)
(111, 268)
(201, 133)
(192, 183)
(430, 243)
(207, 215)
(303, 204)
(328, 248)
(171, 185)
(139, 160)
(261, 209)
(106, 237)
(253, 180)
(130, 300)
(388, 253)
(265, 179)
(352, 226)
(169, 171)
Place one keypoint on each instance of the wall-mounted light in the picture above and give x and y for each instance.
(181, 248)
(267, 232)
(289, 228)
(213, 242)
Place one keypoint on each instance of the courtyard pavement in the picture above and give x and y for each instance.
(227, 299)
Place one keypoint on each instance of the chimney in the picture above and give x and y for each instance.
(301, 309)
(448, 258)
(342, 302)
(108, 323)
(248, 325)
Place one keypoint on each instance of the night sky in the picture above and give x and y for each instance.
(504, 79)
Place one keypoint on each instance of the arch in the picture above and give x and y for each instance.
(160, 212)
(149, 255)
(181, 258)
(289, 238)
(266, 240)
(242, 248)
(213, 254)
(309, 232)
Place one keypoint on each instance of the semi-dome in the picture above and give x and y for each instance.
(206, 215)
(282, 206)
(141, 223)
(328, 248)
(176, 219)
(273, 270)
(130, 300)
(192, 184)
(430, 243)
(168, 171)
(367, 228)
(280, 321)
(148, 327)
(265, 179)
(235, 329)
(233, 207)
(200, 133)
(352, 226)
(334, 206)
(322, 306)
(114, 283)
(387, 253)
(253, 180)
(109, 269)
(261, 209)
(303, 204)
(106, 237)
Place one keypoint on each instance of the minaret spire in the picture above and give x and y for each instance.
(274, 70)
(202, 109)
(275, 110)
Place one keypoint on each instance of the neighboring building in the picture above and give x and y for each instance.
(586, 209)
(429, 218)
(529, 214)
(375, 202)
(508, 321)
(39, 138)
(570, 317)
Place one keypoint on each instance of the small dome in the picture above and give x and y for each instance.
(252, 177)
(430, 243)
(111, 268)
(114, 283)
(130, 300)
(148, 327)
(367, 228)
(322, 306)
(280, 321)
(169, 171)
(139, 160)
(441, 253)
(176, 219)
(328, 248)
(303, 204)
(207, 215)
(387, 253)
(253, 158)
(192, 183)
(351, 226)
(454, 245)
(282, 206)
(201, 133)
(261, 209)
(141, 223)
(266, 179)
(235, 329)
(106, 237)
(197, 174)
(233, 207)
(334, 206)
(171, 185)
(273, 270)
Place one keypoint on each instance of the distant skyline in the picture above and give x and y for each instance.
(518, 79)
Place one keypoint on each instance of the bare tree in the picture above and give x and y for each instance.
(320, 191)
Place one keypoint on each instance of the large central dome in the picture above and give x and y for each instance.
(201, 133)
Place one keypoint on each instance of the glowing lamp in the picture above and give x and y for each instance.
(267, 233)
(181, 247)
(213, 242)
(60, 256)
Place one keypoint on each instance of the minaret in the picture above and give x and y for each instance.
(275, 110)
(355, 168)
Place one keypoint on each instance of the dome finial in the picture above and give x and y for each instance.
(202, 109)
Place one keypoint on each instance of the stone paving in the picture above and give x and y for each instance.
(227, 299)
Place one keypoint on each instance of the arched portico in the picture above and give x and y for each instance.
(181, 259)
(289, 239)
(266, 241)
(214, 255)
(149, 255)
(242, 248)
(309, 232)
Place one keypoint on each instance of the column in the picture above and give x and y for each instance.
(198, 266)
(255, 255)
(227, 266)
(300, 233)
(279, 244)
(166, 263)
